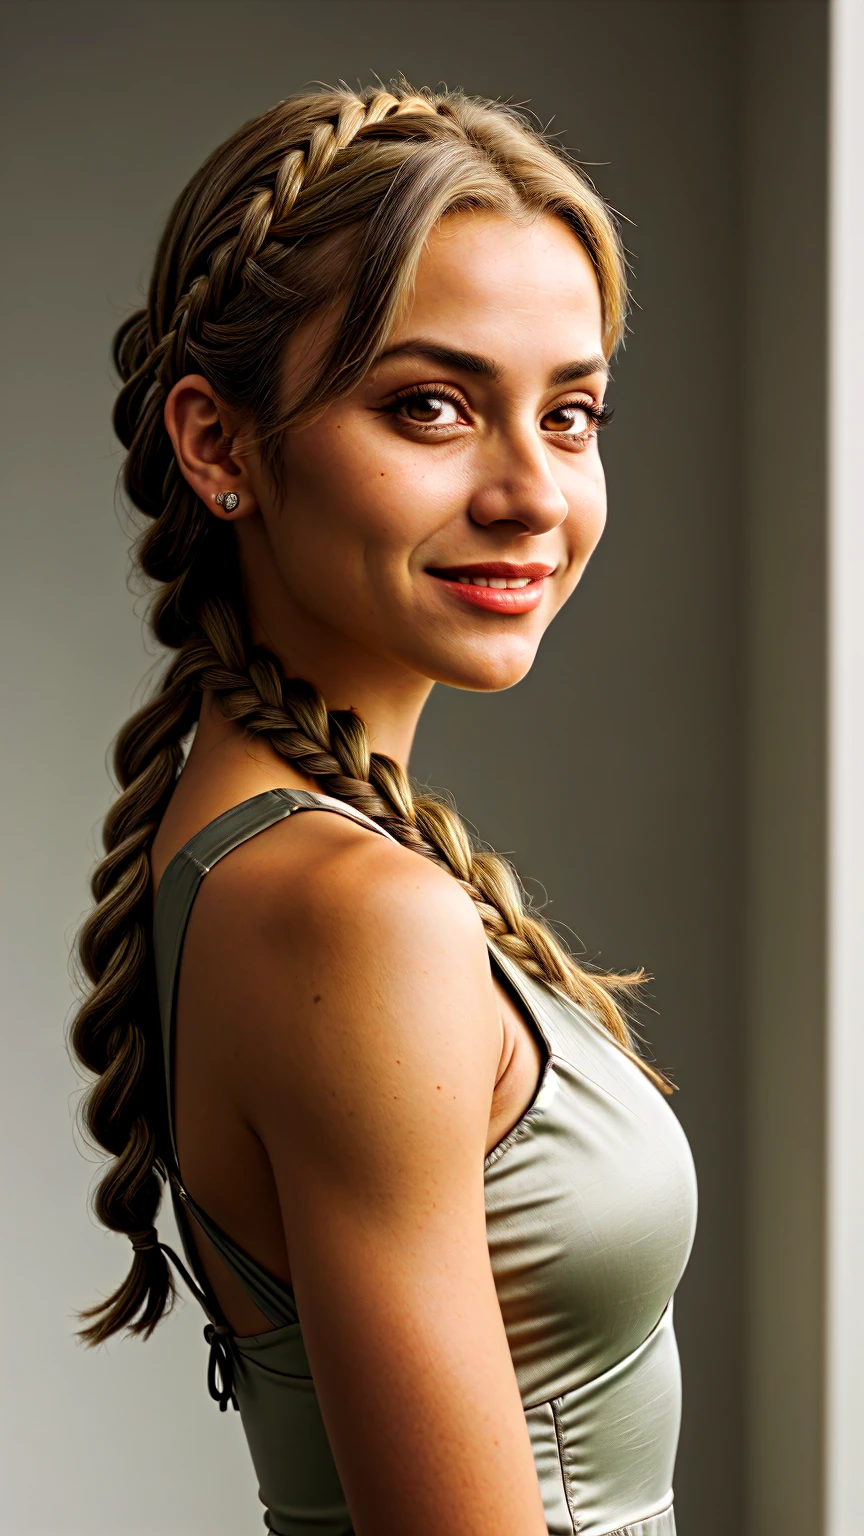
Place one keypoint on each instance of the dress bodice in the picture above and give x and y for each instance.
(590, 1214)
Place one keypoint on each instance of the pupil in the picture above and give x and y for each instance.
(426, 405)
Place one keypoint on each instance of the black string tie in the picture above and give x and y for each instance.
(220, 1366)
(143, 1241)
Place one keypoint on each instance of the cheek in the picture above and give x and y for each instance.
(587, 518)
(329, 469)
(360, 492)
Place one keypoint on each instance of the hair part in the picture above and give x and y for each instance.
(323, 202)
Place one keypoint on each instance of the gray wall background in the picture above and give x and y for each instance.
(631, 774)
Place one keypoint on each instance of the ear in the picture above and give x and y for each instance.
(203, 436)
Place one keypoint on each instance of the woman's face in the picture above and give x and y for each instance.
(438, 516)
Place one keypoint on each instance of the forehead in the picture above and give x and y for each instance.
(484, 282)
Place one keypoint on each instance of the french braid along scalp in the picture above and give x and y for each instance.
(322, 204)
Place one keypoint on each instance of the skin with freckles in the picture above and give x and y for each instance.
(340, 1140)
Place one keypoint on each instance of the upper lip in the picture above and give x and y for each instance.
(534, 570)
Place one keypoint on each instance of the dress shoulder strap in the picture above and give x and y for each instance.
(174, 900)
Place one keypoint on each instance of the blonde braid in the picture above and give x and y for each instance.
(268, 216)
(333, 747)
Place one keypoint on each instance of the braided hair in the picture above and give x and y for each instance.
(326, 198)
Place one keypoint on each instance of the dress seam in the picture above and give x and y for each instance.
(565, 1470)
(626, 1530)
(525, 1124)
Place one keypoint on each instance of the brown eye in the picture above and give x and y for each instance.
(429, 410)
(571, 420)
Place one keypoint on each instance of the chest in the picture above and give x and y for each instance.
(590, 1210)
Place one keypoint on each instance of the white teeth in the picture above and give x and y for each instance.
(494, 581)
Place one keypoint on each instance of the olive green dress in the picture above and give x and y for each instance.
(590, 1213)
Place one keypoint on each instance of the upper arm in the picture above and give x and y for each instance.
(372, 1041)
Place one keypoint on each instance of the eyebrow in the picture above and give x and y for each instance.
(581, 369)
(484, 367)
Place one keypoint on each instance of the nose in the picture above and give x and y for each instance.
(517, 486)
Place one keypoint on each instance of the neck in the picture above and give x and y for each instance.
(388, 699)
(387, 695)
(223, 751)
(391, 713)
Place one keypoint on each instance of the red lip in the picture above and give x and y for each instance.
(504, 600)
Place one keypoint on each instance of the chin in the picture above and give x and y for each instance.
(491, 670)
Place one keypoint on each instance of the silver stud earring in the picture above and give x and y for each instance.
(228, 500)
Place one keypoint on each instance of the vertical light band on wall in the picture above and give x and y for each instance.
(845, 1238)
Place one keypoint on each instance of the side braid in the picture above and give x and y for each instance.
(333, 747)
(113, 1026)
(326, 199)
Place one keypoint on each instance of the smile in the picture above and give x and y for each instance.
(497, 586)
(504, 583)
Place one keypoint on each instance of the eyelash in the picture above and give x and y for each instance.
(599, 415)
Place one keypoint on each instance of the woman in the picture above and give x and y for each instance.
(361, 409)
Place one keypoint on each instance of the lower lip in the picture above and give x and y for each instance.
(496, 599)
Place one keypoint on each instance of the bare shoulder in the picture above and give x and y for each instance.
(352, 965)
(355, 876)
(325, 880)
